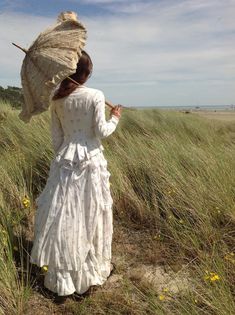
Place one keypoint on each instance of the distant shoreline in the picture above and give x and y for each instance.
(217, 112)
(192, 108)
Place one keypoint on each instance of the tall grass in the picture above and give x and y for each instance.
(172, 175)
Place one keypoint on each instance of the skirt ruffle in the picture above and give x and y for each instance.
(73, 225)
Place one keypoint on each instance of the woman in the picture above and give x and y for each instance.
(73, 221)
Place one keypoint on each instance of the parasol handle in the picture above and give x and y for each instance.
(109, 104)
(23, 49)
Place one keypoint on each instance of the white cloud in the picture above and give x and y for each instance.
(21, 29)
(101, 1)
(189, 43)
(173, 52)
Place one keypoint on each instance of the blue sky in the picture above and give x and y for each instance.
(51, 8)
(145, 53)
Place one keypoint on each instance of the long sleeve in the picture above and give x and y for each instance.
(102, 127)
(57, 134)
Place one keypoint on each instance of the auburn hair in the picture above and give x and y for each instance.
(83, 72)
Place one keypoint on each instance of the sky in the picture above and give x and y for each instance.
(145, 52)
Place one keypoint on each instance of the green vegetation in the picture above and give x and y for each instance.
(13, 95)
(173, 184)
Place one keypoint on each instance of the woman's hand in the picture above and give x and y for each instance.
(116, 111)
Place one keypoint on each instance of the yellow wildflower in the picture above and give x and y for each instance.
(161, 297)
(165, 290)
(158, 236)
(212, 276)
(26, 202)
(45, 268)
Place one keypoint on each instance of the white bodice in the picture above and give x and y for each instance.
(78, 123)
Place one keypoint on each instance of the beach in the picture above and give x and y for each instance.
(226, 115)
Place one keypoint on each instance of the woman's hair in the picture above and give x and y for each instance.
(83, 72)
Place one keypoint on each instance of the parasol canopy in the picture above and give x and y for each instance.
(51, 58)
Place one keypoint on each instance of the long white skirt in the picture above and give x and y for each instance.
(74, 225)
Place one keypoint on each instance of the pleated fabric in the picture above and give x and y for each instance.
(74, 225)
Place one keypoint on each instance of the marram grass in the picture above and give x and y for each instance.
(171, 174)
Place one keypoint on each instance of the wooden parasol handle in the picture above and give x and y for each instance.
(109, 104)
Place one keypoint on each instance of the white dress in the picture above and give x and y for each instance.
(74, 220)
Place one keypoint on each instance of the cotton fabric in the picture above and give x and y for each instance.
(74, 221)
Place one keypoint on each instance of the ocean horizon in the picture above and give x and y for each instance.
(230, 107)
